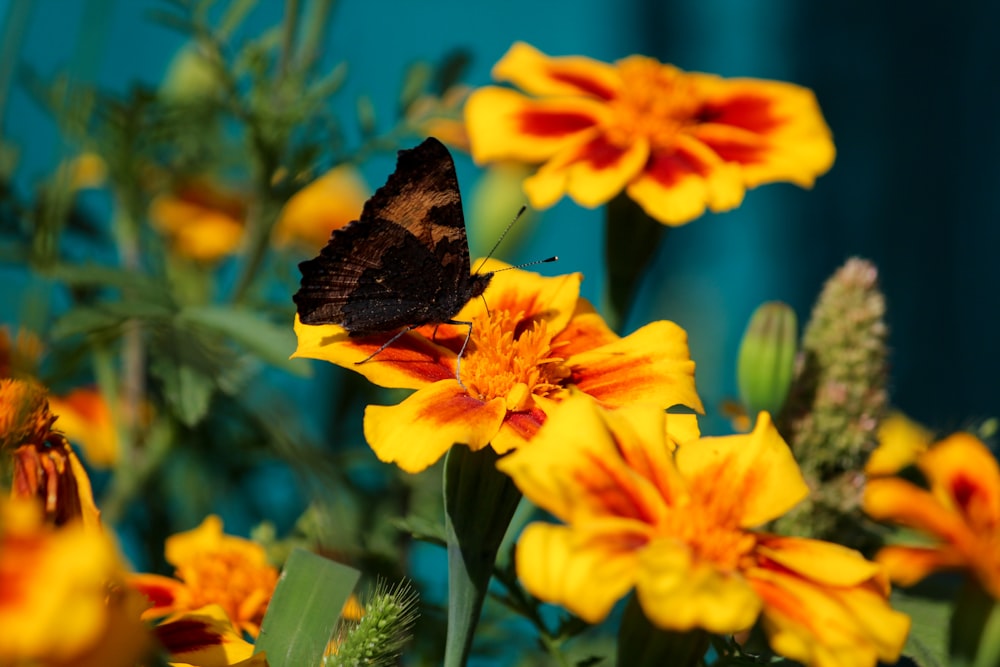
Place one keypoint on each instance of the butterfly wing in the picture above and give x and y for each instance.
(404, 263)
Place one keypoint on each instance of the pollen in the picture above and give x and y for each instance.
(656, 102)
(514, 359)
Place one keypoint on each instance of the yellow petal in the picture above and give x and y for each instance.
(204, 638)
(822, 562)
(328, 203)
(585, 573)
(411, 362)
(651, 365)
(907, 566)
(679, 592)
(418, 431)
(900, 441)
(758, 468)
(533, 71)
(505, 125)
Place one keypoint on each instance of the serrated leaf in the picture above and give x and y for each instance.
(187, 390)
(271, 342)
(305, 609)
(928, 638)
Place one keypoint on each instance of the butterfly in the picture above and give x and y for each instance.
(404, 263)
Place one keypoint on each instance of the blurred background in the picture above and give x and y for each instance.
(911, 92)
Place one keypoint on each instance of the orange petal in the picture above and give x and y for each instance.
(679, 592)
(908, 565)
(533, 71)
(204, 637)
(676, 186)
(165, 595)
(411, 362)
(328, 203)
(534, 296)
(640, 436)
(824, 625)
(964, 474)
(585, 331)
(584, 572)
(418, 431)
(574, 467)
(504, 124)
(893, 499)
(756, 469)
(823, 562)
(592, 173)
(773, 129)
(651, 365)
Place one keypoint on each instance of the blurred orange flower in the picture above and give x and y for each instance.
(647, 507)
(45, 466)
(212, 568)
(674, 141)
(86, 420)
(960, 512)
(534, 341)
(328, 203)
(60, 605)
(201, 219)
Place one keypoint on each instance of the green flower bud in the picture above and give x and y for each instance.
(766, 363)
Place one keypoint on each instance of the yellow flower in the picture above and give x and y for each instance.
(212, 568)
(674, 141)
(900, 441)
(679, 529)
(86, 420)
(202, 220)
(536, 339)
(328, 203)
(45, 466)
(960, 511)
(204, 637)
(58, 601)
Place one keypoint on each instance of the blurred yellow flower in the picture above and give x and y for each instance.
(674, 141)
(203, 637)
(900, 441)
(328, 203)
(59, 604)
(212, 568)
(85, 418)
(678, 527)
(960, 512)
(45, 466)
(534, 341)
(202, 220)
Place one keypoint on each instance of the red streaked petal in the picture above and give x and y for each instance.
(678, 185)
(165, 595)
(535, 72)
(203, 637)
(504, 124)
(822, 562)
(964, 474)
(899, 501)
(592, 173)
(907, 566)
(650, 365)
(418, 431)
(518, 428)
(586, 330)
(410, 362)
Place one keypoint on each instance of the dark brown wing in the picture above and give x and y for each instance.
(405, 263)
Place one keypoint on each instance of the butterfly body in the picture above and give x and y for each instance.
(404, 263)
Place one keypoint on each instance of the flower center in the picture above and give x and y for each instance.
(657, 102)
(24, 413)
(709, 525)
(240, 585)
(513, 358)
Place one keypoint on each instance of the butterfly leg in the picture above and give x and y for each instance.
(458, 359)
(385, 345)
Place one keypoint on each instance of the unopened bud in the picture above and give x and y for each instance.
(766, 362)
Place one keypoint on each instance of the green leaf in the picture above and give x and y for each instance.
(928, 639)
(305, 609)
(975, 628)
(640, 644)
(271, 342)
(422, 528)
(187, 390)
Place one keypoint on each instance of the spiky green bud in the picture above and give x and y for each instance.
(766, 361)
(378, 636)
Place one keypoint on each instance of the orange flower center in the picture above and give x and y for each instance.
(24, 413)
(656, 102)
(513, 359)
(241, 585)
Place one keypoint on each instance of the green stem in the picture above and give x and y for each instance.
(479, 503)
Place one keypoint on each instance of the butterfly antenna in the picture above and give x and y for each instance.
(503, 235)
(537, 261)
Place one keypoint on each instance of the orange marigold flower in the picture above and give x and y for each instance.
(679, 529)
(536, 339)
(202, 220)
(45, 466)
(674, 141)
(58, 599)
(212, 568)
(86, 419)
(328, 203)
(960, 511)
